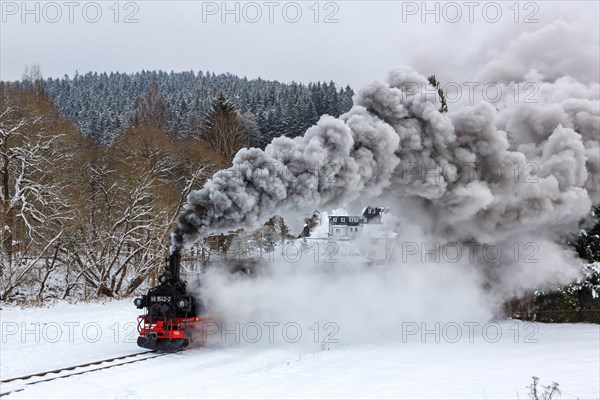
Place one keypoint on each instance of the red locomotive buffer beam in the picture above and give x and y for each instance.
(172, 335)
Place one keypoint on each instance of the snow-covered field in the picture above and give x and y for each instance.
(454, 360)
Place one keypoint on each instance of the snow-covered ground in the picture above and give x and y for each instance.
(454, 360)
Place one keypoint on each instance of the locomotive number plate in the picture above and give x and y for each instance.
(164, 299)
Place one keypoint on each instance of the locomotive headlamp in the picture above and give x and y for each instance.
(139, 302)
(164, 277)
(183, 303)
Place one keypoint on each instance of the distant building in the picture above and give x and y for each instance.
(350, 226)
(373, 214)
(374, 239)
(345, 226)
(377, 242)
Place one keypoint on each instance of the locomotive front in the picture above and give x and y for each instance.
(171, 312)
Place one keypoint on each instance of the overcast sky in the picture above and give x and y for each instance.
(350, 42)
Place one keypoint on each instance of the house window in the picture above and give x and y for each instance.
(334, 219)
(343, 220)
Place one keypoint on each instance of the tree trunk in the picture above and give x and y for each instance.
(7, 236)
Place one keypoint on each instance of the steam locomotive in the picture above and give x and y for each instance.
(171, 315)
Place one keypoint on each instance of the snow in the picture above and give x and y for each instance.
(423, 361)
(39, 339)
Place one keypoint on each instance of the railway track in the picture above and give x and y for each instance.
(19, 383)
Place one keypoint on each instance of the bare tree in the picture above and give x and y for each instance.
(33, 79)
(149, 259)
(549, 391)
(79, 219)
(250, 129)
(124, 216)
(33, 209)
(150, 110)
(112, 219)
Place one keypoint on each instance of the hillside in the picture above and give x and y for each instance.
(103, 104)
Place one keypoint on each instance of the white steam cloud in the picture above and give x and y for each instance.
(522, 170)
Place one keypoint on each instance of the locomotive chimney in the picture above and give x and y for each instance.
(175, 264)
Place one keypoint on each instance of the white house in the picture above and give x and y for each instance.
(376, 242)
(345, 226)
(369, 236)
